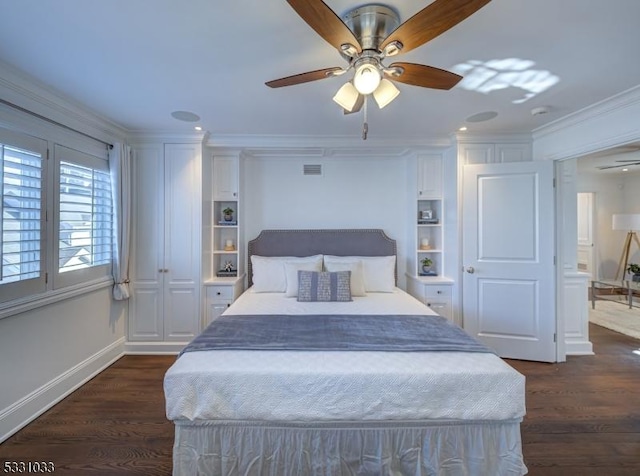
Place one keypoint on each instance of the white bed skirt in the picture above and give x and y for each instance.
(441, 448)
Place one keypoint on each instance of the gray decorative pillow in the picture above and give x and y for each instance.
(324, 286)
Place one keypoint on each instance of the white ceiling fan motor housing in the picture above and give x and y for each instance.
(371, 25)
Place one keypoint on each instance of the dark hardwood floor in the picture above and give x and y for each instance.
(583, 418)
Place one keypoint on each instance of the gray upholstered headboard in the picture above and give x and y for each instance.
(348, 242)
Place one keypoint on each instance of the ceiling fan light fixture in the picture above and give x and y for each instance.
(367, 77)
(337, 72)
(385, 93)
(347, 96)
(394, 71)
(349, 50)
(393, 48)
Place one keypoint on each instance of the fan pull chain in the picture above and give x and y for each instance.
(365, 125)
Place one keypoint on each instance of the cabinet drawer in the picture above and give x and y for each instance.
(439, 292)
(218, 293)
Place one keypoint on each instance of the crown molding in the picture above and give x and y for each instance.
(320, 145)
(28, 93)
(606, 106)
(503, 138)
(167, 137)
(604, 125)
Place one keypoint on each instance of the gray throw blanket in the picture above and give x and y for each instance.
(334, 332)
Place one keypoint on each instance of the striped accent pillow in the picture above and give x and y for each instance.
(324, 286)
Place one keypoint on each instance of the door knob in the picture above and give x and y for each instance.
(470, 270)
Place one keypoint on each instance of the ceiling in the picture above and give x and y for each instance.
(136, 61)
(618, 161)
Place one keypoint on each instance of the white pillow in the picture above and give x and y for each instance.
(378, 271)
(269, 274)
(291, 269)
(357, 273)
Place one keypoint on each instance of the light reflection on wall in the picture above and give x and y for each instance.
(497, 74)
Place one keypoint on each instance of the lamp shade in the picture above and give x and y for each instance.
(626, 221)
(347, 96)
(385, 93)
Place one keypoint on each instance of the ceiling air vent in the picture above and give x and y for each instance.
(312, 169)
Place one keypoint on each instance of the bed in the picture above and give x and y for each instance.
(304, 409)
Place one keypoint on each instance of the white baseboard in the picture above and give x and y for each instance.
(28, 408)
(154, 348)
(579, 348)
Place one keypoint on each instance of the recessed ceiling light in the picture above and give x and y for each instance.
(482, 116)
(538, 111)
(185, 116)
(625, 170)
(463, 128)
(198, 128)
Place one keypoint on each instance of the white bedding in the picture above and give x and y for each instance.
(340, 386)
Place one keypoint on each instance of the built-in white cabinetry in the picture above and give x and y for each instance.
(225, 177)
(224, 242)
(428, 220)
(489, 152)
(226, 237)
(429, 177)
(436, 295)
(166, 244)
(428, 283)
(219, 296)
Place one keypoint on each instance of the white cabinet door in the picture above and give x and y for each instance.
(490, 153)
(429, 176)
(225, 178)
(147, 278)
(165, 268)
(182, 237)
(513, 153)
(477, 153)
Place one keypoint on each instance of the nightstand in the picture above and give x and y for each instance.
(219, 295)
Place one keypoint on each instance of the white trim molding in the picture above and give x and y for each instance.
(28, 408)
(576, 313)
(603, 125)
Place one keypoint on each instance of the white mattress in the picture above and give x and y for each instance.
(340, 386)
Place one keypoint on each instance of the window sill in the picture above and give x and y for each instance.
(18, 306)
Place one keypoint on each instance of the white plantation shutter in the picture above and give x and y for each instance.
(85, 217)
(22, 223)
(21, 200)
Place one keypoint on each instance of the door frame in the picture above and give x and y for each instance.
(591, 224)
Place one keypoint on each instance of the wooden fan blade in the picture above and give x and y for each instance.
(325, 22)
(432, 21)
(425, 76)
(302, 77)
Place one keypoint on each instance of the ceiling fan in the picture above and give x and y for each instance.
(627, 163)
(367, 36)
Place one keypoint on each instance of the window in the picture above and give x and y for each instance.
(56, 227)
(22, 225)
(84, 219)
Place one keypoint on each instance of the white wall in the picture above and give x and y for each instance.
(353, 192)
(45, 353)
(608, 200)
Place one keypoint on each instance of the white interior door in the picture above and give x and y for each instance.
(585, 233)
(508, 257)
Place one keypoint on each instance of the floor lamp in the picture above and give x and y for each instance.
(630, 223)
